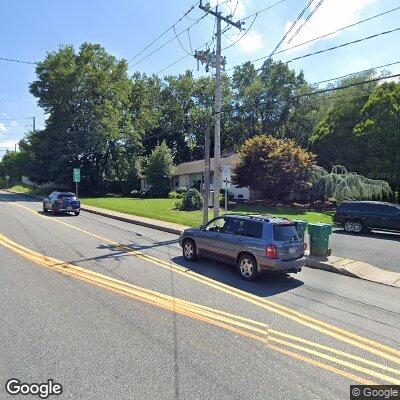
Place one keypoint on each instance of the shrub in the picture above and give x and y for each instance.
(181, 190)
(175, 195)
(192, 200)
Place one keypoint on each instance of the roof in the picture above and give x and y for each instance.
(195, 167)
(368, 202)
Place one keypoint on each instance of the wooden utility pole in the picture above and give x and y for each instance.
(216, 61)
(207, 145)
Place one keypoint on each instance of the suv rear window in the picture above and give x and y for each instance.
(253, 229)
(285, 232)
(66, 196)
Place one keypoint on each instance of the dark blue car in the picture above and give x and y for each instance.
(62, 202)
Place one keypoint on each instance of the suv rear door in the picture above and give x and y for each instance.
(287, 241)
(390, 216)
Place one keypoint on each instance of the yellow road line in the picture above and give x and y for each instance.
(180, 306)
(320, 326)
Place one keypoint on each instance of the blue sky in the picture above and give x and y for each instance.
(29, 29)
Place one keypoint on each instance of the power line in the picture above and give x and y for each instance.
(164, 32)
(183, 57)
(356, 73)
(321, 51)
(291, 27)
(343, 45)
(347, 86)
(18, 61)
(306, 20)
(167, 42)
(242, 36)
(336, 31)
(263, 10)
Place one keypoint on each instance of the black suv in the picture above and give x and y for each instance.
(359, 216)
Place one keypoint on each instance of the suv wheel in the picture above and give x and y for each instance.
(189, 250)
(353, 226)
(247, 267)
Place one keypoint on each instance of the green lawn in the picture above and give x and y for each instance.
(163, 209)
(22, 188)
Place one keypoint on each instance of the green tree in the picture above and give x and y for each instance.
(15, 165)
(379, 134)
(333, 139)
(340, 184)
(158, 168)
(276, 167)
(87, 97)
(265, 101)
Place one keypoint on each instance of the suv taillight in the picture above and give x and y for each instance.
(271, 251)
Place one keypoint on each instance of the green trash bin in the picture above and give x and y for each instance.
(301, 227)
(319, 239)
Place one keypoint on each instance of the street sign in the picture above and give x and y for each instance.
(76, 175)
(7, 177)
(226, 177)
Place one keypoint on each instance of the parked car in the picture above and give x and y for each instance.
(254, 244)
(62, 202)
(361, 216)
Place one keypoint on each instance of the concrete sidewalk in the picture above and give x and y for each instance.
(343, 266)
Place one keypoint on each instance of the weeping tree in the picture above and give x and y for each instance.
(339, 184)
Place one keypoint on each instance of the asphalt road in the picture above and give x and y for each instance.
(381, 249)
(111, 311)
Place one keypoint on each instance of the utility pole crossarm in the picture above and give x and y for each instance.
(217, 14)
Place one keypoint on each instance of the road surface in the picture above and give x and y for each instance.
(111, 310)
(381, 249)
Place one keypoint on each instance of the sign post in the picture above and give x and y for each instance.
(226, 182)
(7, 179)
(76, 177)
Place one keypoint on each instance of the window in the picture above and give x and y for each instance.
(285, 233)
(217, 225)
(66, 196)
(253, 229)
(235, 226)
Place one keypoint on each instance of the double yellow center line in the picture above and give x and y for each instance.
(273, 339)
(368, 345)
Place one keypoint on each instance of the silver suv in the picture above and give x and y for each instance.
(254, 243)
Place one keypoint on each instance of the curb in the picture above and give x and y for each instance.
(355, 269)
(339, 265)
(146, 222)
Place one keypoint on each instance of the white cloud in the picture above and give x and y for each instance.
(332, 15)
(2, 127)
(250, 42)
